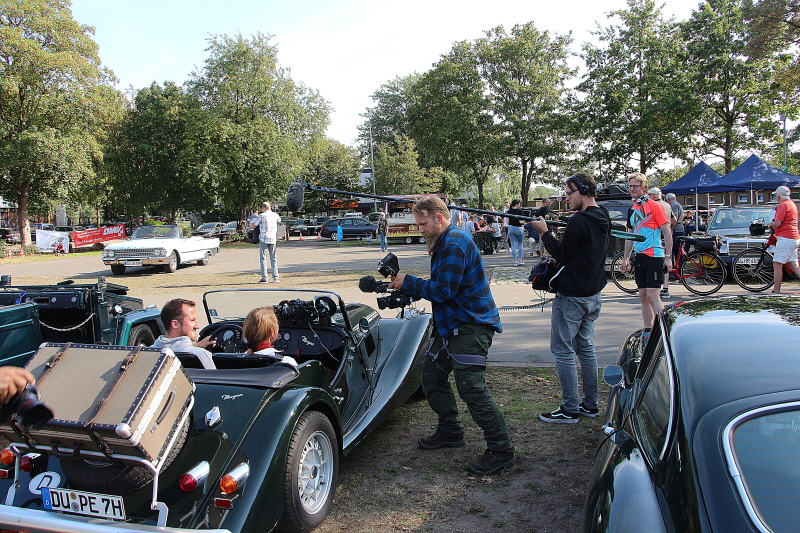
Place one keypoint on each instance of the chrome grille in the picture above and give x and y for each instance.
(135, 254)
(738, 246)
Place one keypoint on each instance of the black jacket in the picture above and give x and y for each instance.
(582, 251)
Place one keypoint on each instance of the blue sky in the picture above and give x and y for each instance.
(344, 48)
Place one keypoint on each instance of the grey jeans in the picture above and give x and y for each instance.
(571, 329)
(267, 251)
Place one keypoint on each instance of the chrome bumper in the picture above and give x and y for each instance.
(34, 521)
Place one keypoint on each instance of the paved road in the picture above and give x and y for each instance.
(524, 341)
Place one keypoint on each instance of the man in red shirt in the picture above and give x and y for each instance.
(785, 224)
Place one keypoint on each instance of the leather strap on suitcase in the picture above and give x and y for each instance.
(48, 366)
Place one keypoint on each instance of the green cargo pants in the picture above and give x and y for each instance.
(472, 345)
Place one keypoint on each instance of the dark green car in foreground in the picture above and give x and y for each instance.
(279, 432)
(98, 312)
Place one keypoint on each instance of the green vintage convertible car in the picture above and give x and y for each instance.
(263, 440)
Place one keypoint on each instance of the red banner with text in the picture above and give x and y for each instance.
(91, 236)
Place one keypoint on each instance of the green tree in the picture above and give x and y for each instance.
(331, 164)
(450, 119)
(158, 168)
(396, 168)
(259, 123)
(775, 26)
(526, 74)
(634, 108)
(389, 115)
(735, 95)
(56, 101)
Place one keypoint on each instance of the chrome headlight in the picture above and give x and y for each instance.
(723, 246)
(161, 252)
(108, 253)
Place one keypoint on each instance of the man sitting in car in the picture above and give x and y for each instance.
(180, 321)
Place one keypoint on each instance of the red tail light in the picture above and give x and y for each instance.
(195, 477)
(28, 461)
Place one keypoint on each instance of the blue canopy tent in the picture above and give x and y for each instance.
(699, 176)
(752, 175)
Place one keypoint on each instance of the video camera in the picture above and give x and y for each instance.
(388, 266)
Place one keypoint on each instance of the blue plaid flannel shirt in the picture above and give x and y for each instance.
(458, 288)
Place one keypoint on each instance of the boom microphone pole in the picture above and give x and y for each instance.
(315, 188)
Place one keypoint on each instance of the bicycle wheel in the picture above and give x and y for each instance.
(702, 273)
(752, 270)
(624, 280)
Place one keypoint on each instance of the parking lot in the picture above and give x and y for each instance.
(524, 341)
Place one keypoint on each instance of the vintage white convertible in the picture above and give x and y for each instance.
(163, 246)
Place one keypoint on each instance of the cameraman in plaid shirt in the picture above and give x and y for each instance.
(466, 319)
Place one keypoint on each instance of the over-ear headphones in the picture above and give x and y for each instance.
(581, 186)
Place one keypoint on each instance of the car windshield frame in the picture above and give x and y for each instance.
(738, 469)
(233, 304)
(740, 216)
(157, 232)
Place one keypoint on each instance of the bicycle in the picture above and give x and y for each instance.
(702, 272)
(752, 269)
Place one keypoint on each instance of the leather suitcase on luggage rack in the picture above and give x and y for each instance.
(109, 399)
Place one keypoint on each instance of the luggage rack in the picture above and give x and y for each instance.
(20, 448)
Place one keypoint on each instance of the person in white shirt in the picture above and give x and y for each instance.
(267, 223)
(180, 320)
(469, 227)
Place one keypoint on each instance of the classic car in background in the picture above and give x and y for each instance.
(100, 312)
(265, 440)
(732, 224)
(702, 427)
(10, 236)
(163, 246)
(210, 229)
(304, 227)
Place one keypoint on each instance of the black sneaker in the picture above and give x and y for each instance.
(440, 440)
(664, 294)
(491, 462)
(559, 416)
(585, 411)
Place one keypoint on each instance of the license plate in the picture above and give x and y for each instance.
(748, 260)
(83, 503)
(133, 263)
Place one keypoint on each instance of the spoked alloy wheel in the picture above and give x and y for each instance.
(312, 469)
(702, 273)
(624, 280)
(752, 270)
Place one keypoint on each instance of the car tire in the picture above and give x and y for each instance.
(421, 240)
(204, 261)
(141, 335)
(118, 270)
(333, 237)
(172, 263)
(117, 478)
(312, 470)
(409, 240)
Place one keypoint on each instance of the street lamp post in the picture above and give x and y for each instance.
(372, 165)
(783, 118)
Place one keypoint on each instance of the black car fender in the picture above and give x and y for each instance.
(265, 444)
(623, 499)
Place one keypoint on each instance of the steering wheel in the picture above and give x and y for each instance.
(228, 339)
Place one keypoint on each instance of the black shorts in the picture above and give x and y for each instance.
(648, 271)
